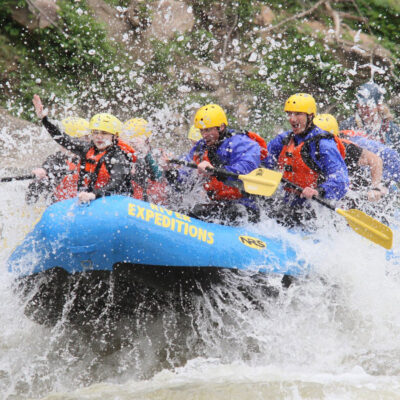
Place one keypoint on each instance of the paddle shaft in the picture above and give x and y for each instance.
(259, 182)
(17, 178)
(360, 222)
(300, 189)
(216, 170)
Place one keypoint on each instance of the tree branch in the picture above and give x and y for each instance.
(296, 16)
(353, 17)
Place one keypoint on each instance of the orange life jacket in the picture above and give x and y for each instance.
(297, 165)
(215, 189)
(95, 166)
(68, 187)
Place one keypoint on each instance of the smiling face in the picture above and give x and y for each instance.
(298, 121)
(102, 139)
(210, 135)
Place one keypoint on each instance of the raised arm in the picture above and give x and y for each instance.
(39, 109)
(73, 144)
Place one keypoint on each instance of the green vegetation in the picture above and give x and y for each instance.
(118, 3)
(62, 60)
(74, 62)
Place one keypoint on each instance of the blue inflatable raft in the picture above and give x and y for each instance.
(118, 240)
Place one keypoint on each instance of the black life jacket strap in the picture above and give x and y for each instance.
(306, 154)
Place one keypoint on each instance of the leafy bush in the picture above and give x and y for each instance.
(69, 59)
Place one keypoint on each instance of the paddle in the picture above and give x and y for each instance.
(264, 182)
(360, 222)
(17, 178)
(261, 181)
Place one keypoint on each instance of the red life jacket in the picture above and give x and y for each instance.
(94, 164)
(215, 189)
(68, 187)
(261, 142)
(155, 192)
(379, 138)
(297, 165)
(350, 132)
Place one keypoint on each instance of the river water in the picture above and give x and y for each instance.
(332, 335)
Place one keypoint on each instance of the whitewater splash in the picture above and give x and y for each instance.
(333, 333)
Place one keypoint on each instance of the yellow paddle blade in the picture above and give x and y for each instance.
(261, 181)
(368, 227)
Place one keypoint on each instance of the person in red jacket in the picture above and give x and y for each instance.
(105, 161)
(57, 178)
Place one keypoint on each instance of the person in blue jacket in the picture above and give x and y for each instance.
(372, 119)
(389, 156)
(225, 149)
(308, 157)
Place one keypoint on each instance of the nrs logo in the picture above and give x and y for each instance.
(252, 242)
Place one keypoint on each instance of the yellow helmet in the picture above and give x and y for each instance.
(210, 116)
(136, 127)
(327, 122)
(106, 122)
(194, 134)
(75, 127)
(301, 102)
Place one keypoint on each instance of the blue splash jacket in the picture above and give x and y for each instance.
(236, 153)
